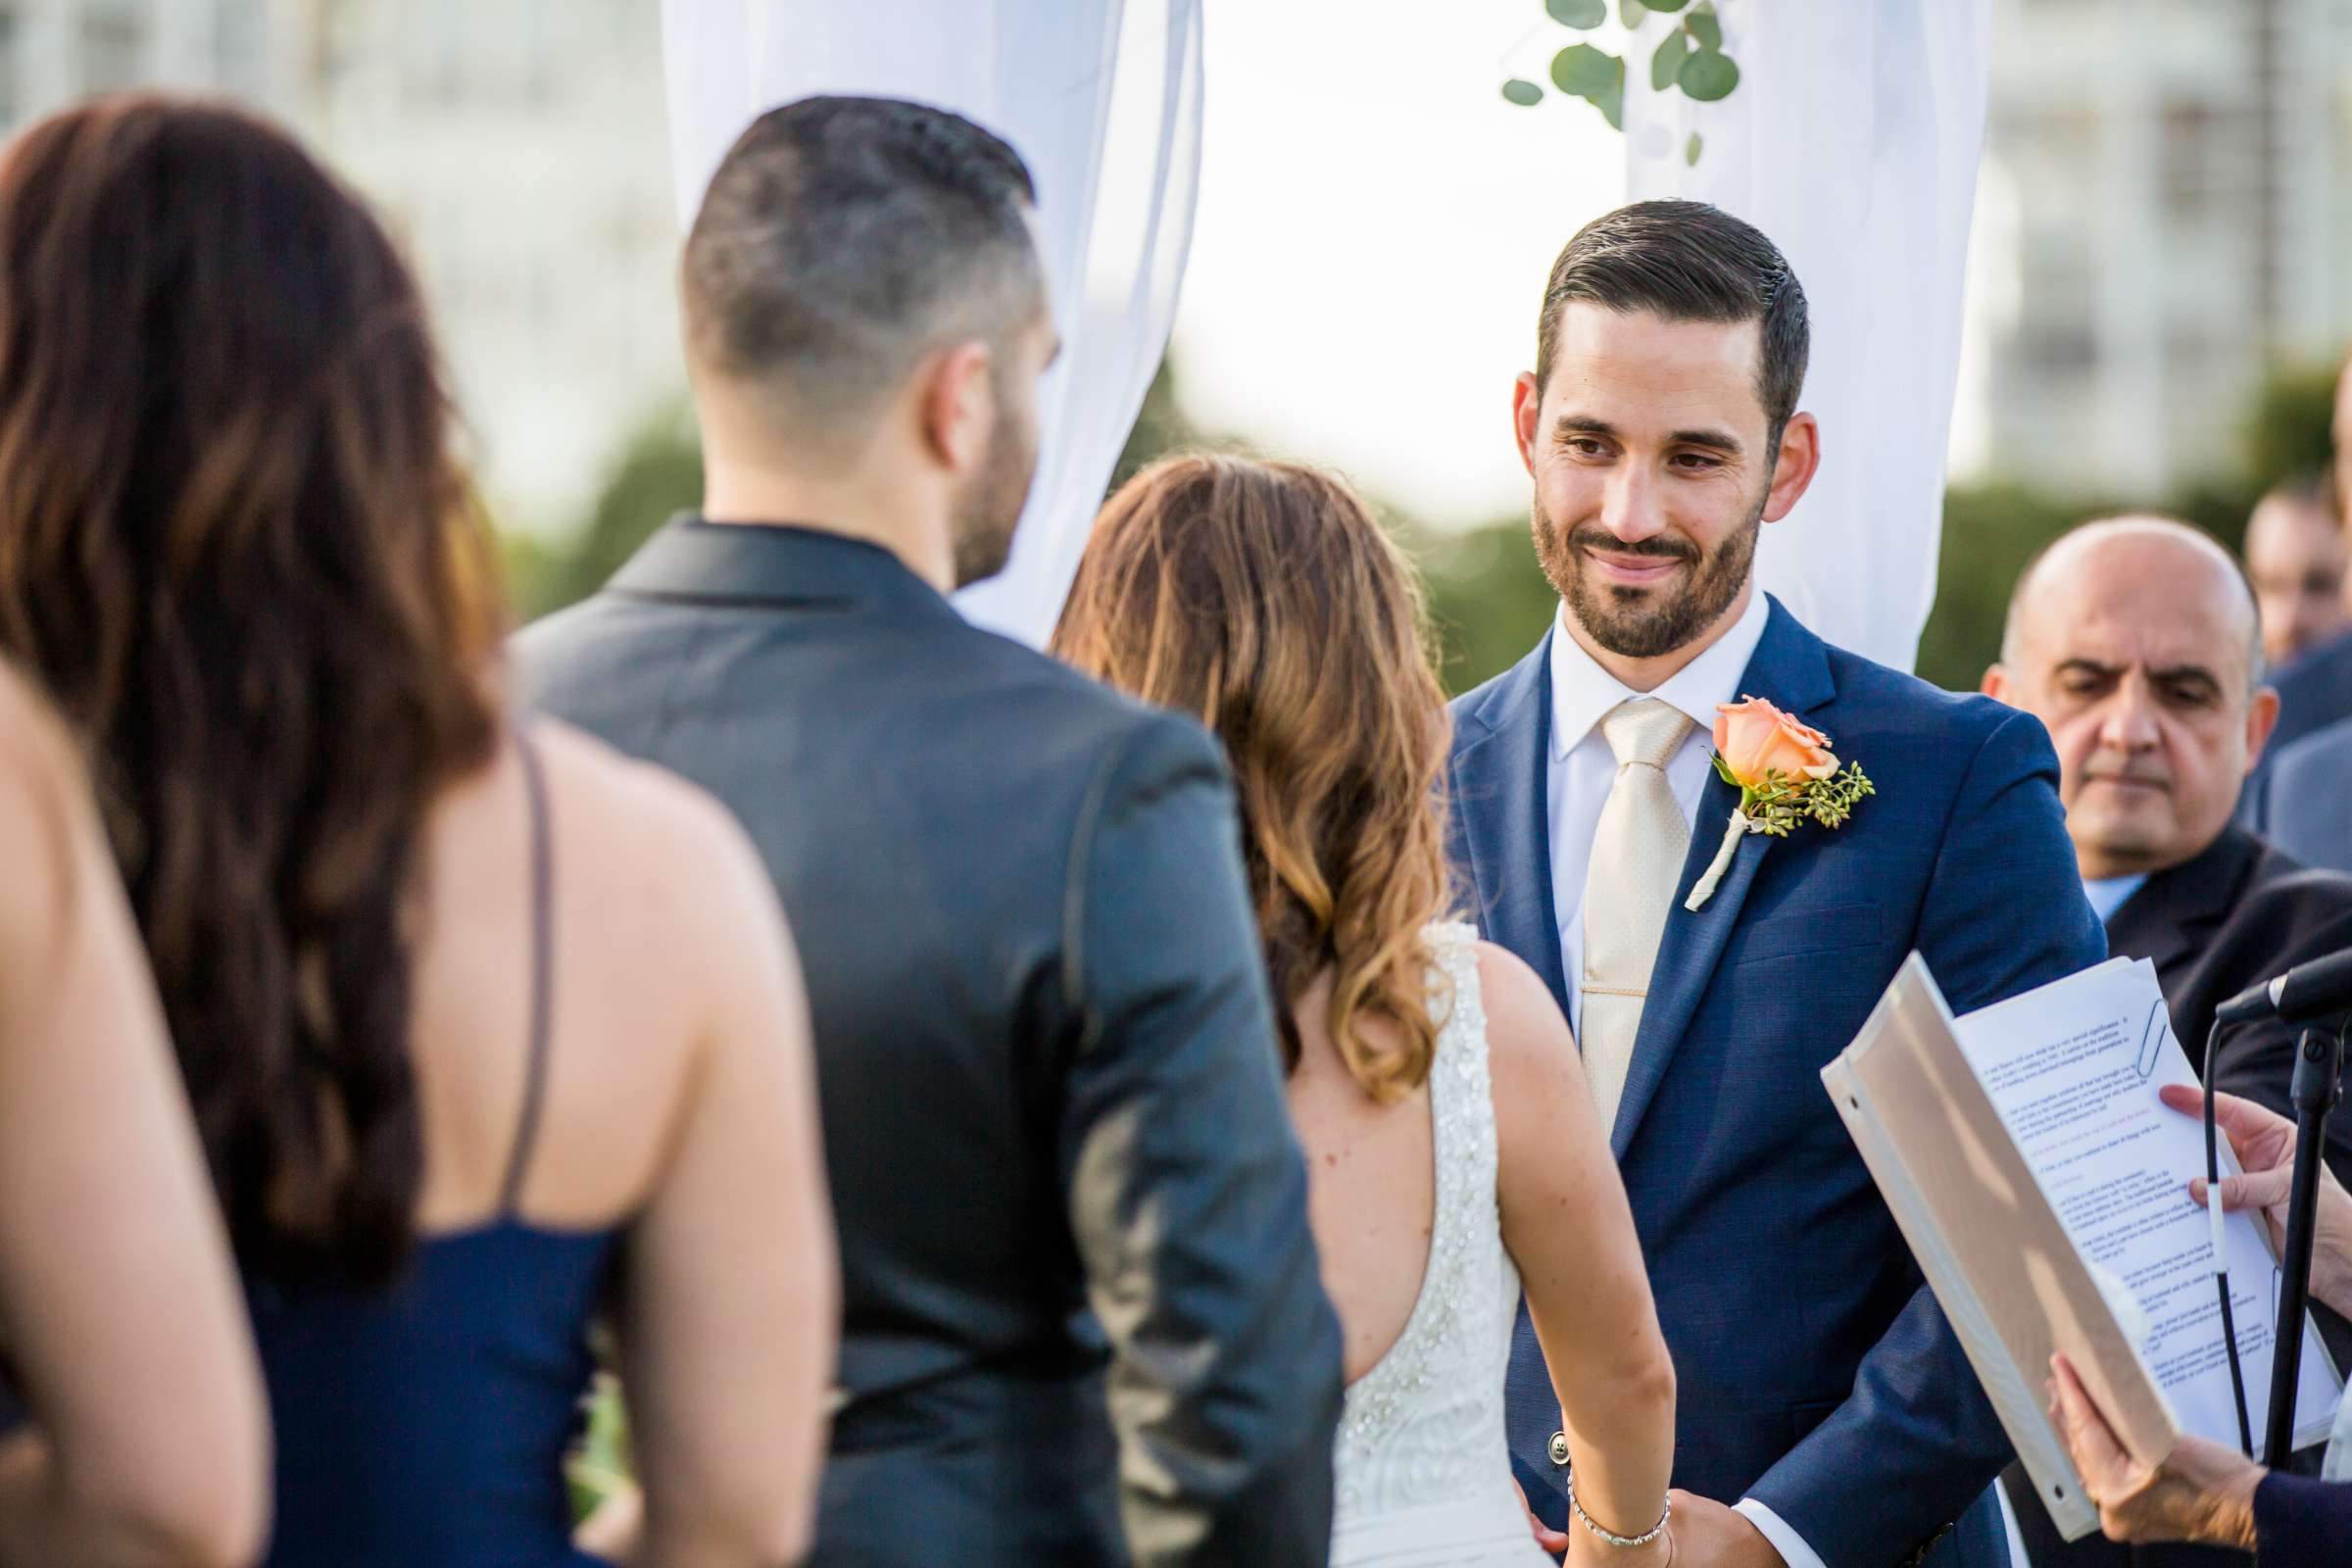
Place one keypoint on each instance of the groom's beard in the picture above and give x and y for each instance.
(1646, 623)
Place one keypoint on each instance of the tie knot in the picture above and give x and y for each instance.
(1644, 730)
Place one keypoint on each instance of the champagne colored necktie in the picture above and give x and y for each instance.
(1637, 854)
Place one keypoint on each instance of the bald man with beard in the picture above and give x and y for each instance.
(2136, 641)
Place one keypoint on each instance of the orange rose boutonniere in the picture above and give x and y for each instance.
(1784, 773)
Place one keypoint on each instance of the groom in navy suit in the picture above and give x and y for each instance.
(1827, 1413)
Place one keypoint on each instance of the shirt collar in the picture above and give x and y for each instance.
(2108, 894)
(1582, 693)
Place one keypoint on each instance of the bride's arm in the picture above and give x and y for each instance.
(1566, 1224)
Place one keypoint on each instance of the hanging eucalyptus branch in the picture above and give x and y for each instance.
(1690, 58)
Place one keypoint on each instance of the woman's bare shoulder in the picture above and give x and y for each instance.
(659, 860)
(635, 814)
(1525, 1029)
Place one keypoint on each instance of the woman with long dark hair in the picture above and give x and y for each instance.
(1452, 1148)
(142, 1439)
(484, 1025)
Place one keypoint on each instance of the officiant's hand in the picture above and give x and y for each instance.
(2202, 1492)
(1551, 1541)
(2265, 1144)
(1711, 1534)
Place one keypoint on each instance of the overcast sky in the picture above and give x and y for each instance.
(1375, 227)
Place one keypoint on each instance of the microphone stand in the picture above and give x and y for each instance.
(2317, 1085)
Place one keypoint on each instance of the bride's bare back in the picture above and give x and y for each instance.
(1371, 1190)
(1565, 1223)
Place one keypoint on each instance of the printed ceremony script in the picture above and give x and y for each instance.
(2044, 1190)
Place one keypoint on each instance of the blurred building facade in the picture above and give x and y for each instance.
(518, 148)
(2165, 214)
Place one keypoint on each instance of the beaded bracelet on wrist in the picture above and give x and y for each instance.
(1610, 1536)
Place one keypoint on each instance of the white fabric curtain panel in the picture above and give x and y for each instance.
(1101, 98)
(1852, 140)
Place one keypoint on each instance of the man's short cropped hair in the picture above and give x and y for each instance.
(1686, 262)
(842, 239)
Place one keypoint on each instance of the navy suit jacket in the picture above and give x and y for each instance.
(1817, 1373)
(2299, 1523)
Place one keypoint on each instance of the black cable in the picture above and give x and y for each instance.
(2221, 1261)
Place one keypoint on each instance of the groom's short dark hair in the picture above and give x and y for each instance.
(1686, 262)
(844, 238)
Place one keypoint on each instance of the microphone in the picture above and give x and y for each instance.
(2314, 989)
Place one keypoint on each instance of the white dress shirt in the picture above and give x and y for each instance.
(1581, 768)
(1580, 772)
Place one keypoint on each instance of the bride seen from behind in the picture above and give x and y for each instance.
(1455, 1152)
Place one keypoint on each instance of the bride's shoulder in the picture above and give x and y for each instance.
(1526, 1032)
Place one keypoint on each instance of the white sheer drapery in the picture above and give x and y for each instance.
(1852, 140)
(1103, 99)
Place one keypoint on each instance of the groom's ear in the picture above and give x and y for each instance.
(1527, 402)
(956, 405)
(1794, 465)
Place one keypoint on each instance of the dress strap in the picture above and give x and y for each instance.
(534, 1087)
(1461, 1103)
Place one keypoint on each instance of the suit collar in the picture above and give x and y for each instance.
(1790, 669)
(771, 563)
(1500, 800)
(1511, 698)
(2168, 917)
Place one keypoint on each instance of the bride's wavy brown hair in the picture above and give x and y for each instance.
(1263, 598)
(238, 551)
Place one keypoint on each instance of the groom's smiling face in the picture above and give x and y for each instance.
(1654, 468)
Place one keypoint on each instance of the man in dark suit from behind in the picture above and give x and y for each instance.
(2135, 641)
(1083, 1322)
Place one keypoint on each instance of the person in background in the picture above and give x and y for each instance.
(144, 1437)
(2295, 556)
(1083, 1320)
(2302, 802)
(1450, 1137)
(2315, 690)
(483, 1026)
(2203, 1491)
(2136, 641)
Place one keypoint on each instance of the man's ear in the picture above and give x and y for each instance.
(1527, 402)
(957, 405)
(1997, 686)
(2262, 718)
(1794, 468)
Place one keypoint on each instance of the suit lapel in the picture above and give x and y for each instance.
(1500, 785)
(1790, 668)
(2168, 920)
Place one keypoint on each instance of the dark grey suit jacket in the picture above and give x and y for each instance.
(2315, 690)
(1082, 1315)
(2302, 801)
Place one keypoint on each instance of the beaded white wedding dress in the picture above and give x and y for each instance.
(1423, 1471)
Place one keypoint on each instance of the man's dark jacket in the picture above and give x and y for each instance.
(1082, 1318)
(2238, 913)
(2233, 915)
